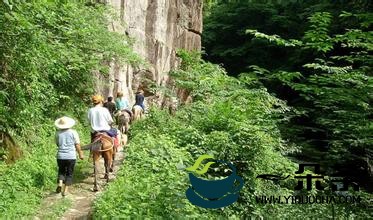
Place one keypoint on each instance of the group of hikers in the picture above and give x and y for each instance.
(121, 103)
(100, 117)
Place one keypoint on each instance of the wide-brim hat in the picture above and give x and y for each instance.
(64, 122)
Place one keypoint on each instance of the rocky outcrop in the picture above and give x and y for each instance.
(159, 28)
(9, 150)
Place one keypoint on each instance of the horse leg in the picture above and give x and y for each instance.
(137, 115)
(106, 171)
(110, 156)
(127, 126)
(125, 141)
(133, 116)
(112, 162)
(95, 188)
(107, 158)
(120, 126)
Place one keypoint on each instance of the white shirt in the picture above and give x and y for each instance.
(99, 118)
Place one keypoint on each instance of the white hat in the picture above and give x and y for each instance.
(64, 122)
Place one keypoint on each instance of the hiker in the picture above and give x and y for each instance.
(139, 99)
(121, 102)
(110, 105)
(100, 119)
(68, 143)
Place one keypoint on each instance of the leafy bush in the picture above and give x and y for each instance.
(152, 162)
(26, 181)
(317, 55)
(334, 95)
(48, 52)
(239, 126)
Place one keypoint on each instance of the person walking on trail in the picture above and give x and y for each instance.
(100, 118)
(121, 102)
(68, 144)
(110, 105)
(139, 99)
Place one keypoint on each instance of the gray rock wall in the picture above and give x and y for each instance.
(159, 28)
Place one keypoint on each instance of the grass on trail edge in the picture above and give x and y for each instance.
(34, 175)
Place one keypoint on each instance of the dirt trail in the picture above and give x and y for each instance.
(81, 195)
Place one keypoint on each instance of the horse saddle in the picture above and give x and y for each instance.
(99, 136)
(96, 145)
(121, 112)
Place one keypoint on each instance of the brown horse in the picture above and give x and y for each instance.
(102, 145)
(138, 112)
(123, 119)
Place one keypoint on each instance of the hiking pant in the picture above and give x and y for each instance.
(65, 171)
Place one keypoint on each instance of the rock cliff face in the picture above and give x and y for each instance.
(159, 28)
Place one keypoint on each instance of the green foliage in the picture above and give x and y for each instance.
(224, 37)
(276, 39)
(48, 51)
(152, 163)
(25, 182)
(227, 120)
(336, 92)
(202, 80)
(226, 22)
(317, 56)
(317, 37)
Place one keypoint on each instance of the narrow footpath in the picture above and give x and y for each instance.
(81, 196)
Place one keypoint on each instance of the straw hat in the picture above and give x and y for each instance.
(97, 99)
(64, 122)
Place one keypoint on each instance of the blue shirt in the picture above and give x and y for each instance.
(66, 140)
(139, 98)
(121, 104)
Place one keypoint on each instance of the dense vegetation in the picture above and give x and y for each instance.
(25, 183)
(48, 50)
(306, 93)
(228, 119)
(321, 65)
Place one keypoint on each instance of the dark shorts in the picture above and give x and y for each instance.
(65, 171)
